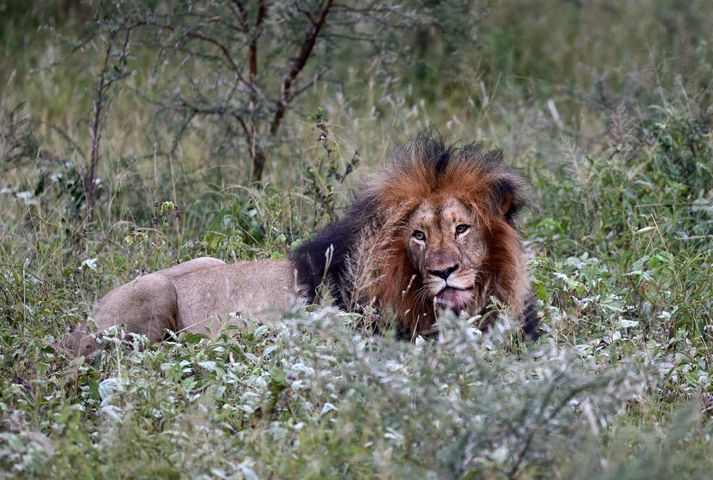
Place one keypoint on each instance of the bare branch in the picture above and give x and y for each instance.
(100, 104)
(299, 63)
(211, 40)
(316, 78)
(261, 13)
(239, 13)
(307, 14)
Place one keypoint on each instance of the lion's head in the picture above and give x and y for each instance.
(446, 245)
(434, 231)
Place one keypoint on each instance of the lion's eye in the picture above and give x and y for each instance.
(461, 229)
(419, 235)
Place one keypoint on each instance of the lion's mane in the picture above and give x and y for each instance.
(362, 257)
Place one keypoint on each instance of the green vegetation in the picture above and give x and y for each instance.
(606, 106)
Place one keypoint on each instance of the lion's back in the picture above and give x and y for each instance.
(208, 288)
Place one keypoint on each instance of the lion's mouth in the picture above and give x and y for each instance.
(454, 299)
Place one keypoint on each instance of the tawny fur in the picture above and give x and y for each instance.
(204, 295)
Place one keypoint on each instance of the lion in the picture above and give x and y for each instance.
(434, 231)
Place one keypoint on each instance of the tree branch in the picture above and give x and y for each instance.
(100, 104)
(239, 13)
(299, 63)
(211, 40)
(317, 77)
(261, 12)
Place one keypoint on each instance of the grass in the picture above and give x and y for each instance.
(611, 125)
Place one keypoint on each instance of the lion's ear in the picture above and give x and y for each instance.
(505, 196)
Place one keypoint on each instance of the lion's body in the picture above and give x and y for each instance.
(436, 231)
(204, 295)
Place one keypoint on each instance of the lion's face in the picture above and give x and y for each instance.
(446, 246)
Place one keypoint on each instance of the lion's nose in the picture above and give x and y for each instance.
(444, 273)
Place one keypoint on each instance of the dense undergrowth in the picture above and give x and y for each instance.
(604, 106)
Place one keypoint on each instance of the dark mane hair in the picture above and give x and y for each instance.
(361, 257)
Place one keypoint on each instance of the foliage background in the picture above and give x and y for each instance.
(604, 105)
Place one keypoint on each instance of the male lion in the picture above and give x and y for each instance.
(434, 231)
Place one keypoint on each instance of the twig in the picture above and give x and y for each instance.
(100, 104)
(297, 66)
(211, 40)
